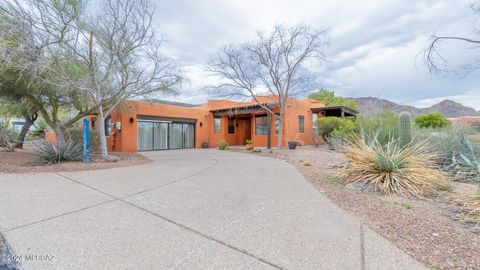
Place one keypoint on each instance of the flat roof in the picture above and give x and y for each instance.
(167, 102)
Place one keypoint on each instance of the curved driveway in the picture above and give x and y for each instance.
(188, 209)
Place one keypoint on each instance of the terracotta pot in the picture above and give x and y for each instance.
(249, 146)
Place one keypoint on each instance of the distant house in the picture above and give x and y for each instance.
(466, 122)
(163, 125)
(14, 123)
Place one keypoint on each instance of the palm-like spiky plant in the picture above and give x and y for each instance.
(49, 153)
(393, 169)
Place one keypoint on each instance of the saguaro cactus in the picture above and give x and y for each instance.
(405, 128)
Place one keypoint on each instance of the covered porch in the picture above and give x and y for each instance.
(335, 111)
(248, 122)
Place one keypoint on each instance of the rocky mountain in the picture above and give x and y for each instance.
(370, 105)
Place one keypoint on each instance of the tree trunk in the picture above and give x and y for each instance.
(101, 133)
(29, 121)
(59, 133)
(280, 130)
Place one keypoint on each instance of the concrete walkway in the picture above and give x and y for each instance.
(188, 209)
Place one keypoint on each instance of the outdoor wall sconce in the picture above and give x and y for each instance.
(131, 120)
(201, 124)
(117, 125)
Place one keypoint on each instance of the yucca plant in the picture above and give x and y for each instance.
(392, 169)
(49, 153)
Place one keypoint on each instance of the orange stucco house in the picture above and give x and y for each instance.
(162, 125)
(466, 122)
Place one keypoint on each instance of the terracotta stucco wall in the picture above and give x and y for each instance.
(295, 109)
(465, 121)
(126, 138)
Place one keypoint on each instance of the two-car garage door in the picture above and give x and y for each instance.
(155, 133)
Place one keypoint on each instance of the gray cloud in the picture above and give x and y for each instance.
(373, 50)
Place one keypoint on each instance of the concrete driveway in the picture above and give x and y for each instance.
(188, 209)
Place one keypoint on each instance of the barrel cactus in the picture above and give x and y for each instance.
(405, 128)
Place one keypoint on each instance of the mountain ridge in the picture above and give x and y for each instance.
(371, 105)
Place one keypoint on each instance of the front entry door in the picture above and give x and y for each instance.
(247, 130)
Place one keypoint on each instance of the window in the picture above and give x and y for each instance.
(217, 125)
(231, 126)
(108, 126)
(277, 125)
(301, 124)
(314, 123)
(261, 125)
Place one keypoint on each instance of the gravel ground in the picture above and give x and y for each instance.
(428, 230)
(24, 161)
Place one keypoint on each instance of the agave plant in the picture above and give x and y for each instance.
(48, 152)
(467, 166)
(392, 169)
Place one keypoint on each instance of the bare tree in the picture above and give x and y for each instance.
(439, 64)
(275, 64)
(106, 57)
(124, 58)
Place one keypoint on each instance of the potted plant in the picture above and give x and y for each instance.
(222, 145)
(205, 144)
(248, 144)
(292, 144)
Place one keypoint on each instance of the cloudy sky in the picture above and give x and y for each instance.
(374, 45)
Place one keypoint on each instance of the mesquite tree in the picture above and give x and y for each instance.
(104, 57)
(31, 61)
(275, 64)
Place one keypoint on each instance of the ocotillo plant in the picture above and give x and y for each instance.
(405, 128)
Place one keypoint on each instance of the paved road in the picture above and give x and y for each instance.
(188, 209)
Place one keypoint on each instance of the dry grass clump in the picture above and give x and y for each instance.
(469, 206)
(391, 169)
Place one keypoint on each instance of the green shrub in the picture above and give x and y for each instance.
(49, 153)
(432, 120)
(76, 134)
(222, 145)
(335, 126)
(8, 138)
(383, 126)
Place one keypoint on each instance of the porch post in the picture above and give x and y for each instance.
(342, 112)
(269, 131)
